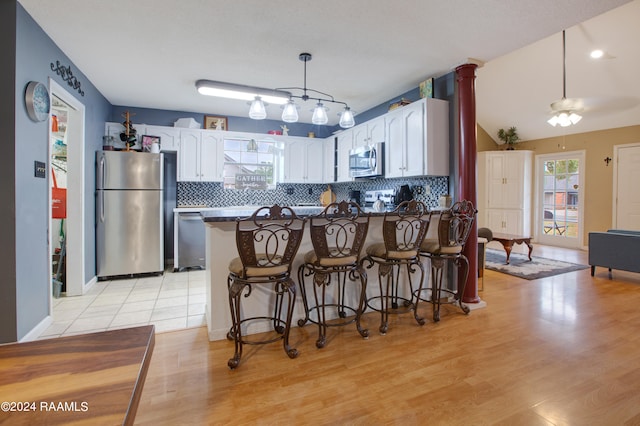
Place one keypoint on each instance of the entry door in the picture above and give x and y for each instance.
(560, 203)
(626, 201)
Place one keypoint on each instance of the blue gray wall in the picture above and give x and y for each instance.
(26, 267)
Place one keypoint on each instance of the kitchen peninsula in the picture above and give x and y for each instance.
(221, 249)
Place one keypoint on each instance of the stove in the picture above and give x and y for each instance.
(386, 195)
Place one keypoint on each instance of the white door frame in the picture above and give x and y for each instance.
(539, 201)
(616, 153)
(75, 236)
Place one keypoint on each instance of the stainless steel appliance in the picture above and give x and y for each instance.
(129, 213)
(191, 233)
(367, 161)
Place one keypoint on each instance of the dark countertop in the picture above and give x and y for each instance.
(229, 214)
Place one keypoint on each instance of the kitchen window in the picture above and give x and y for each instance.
(252, 164)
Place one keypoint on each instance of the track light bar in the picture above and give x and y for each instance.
(241, 92)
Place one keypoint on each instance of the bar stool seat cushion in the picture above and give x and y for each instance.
(379, 250)
(236, 267)
(312, 258)
(432, 246)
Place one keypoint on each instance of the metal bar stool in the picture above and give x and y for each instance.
(403, 232)
(267, 242)
(337, 235)
(454, 228)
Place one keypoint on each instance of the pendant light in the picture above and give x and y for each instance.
(257, 111)
(281, 96)
(290, 112)
(565, 109)
(319, 115)
(346, 118)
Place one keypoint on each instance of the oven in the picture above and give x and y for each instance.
(367, 161)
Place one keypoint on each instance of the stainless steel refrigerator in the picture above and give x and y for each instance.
(129, 213)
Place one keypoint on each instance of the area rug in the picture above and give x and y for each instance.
(520, 266)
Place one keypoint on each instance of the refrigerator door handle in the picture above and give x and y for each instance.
(101, 171)
(101, 206)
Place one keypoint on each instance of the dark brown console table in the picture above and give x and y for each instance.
(508, 240)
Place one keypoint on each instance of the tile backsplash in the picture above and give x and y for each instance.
(211, 194)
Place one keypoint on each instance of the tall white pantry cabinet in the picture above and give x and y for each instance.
(505, 179)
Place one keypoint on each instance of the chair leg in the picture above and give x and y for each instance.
(386, 272)
(363, 301)
(235, 333)
(303, 291)
(289, 287)
(437, 266)
(462, 260)
(320, 282)
(419, 319)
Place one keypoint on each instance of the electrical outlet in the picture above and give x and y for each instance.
(427, 189)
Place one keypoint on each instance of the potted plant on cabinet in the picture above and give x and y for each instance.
(509, 137)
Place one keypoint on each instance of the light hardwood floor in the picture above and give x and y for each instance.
(563, 350)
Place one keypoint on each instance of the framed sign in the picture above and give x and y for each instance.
(251, 181)
(148, 141)
(215, 122)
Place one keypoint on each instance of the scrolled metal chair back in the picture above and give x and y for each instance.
(339, 230)
(270, 237)
(455, 224)
(404, 228)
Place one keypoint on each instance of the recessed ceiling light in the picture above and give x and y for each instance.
(596, 54)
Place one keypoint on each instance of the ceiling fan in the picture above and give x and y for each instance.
(565, 110)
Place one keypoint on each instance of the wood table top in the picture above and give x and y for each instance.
(92, 378)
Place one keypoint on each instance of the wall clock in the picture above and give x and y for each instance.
(37, 100)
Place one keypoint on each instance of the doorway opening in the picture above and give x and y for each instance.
(560, 198)
(66, 161)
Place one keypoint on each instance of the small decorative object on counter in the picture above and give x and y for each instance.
(509, 137)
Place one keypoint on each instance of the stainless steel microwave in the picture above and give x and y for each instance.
(367, 161)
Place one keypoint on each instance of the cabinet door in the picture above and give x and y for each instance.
(394, 145)
(495, 180)
(295, 159)
(496, 221)
(413, 122)
(210, 156)
(314, 161)
(376, 130)
(344, 146)
(329, 160)
(513, 169)
(169, 136)
(360, 136)
(513, 222)
(189, 156)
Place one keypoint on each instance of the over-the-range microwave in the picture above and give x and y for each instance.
(367, 161)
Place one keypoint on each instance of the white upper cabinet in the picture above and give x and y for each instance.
(329, 174)
(417, 140)
(303, 160)
(369, 133)
(200, 156)
(344, 145)
(169, 136)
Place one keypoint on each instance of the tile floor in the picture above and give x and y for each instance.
(170, 302)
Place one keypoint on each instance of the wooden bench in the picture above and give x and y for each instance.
(508, 240)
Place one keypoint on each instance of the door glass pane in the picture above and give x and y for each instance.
(561, 179)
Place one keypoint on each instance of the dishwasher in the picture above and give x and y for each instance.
(191, 241)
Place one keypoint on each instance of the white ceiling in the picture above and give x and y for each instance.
(149, 53)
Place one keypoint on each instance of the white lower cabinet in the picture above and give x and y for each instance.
(200, 156)
(505, 221)
(303, 160)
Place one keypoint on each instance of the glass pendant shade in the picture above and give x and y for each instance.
(290, 113)
(257, 110)
(319, 115)
(346, 118)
